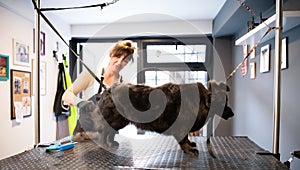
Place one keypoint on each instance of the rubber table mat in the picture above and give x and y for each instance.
(161, 152)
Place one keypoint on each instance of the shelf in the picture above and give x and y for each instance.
(290, 20)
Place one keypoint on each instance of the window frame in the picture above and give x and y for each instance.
(183, 66)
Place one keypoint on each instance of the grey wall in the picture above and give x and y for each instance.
(223, 51)
(233, 18)
(253, 100)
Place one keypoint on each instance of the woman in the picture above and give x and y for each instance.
(119, 55)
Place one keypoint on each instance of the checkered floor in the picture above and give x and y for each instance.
(159, 152)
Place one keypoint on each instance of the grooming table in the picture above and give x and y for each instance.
(159, 152)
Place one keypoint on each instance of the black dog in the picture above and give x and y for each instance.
(170, 109)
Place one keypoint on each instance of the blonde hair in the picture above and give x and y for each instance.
(123, 47)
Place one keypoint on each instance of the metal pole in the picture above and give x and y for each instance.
(277, 79)
(36, 75)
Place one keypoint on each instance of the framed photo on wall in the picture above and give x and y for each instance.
(265, 58)
(252, 70)
(43, 70)
(21, 53)
(4, 67)
(20, 94)
(284, 61)
(244, 67)
(42, 42)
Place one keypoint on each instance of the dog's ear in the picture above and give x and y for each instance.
(217, 86)
(212, 84)
(224, 86)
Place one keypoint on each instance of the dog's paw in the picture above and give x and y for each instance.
(80, 136)
(192, 151)
(113, 144)
(189, 150)
(108, 146)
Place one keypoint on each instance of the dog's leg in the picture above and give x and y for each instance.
(103, 137)
(113, 130)
(107, 135)
(187, 148)
(111, 139)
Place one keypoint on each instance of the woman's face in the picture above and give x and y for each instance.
(118, 63)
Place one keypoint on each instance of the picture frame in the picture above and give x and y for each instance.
(252, 70)
(20, 94)
(265, 58)
(43, 83)
(21, 53)
(42, 42)
(284, 59)
(4, 67)
(244, 67)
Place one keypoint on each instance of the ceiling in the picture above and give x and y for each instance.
(134, 10)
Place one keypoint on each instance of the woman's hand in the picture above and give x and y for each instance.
(69, 98)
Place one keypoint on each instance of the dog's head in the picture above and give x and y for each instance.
(218, 99)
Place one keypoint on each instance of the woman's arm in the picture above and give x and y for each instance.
(82, 82)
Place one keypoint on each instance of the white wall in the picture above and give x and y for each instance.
(18, 23)
(180, 27)
(21, 135)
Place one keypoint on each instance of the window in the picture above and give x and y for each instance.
(175, 53)
(172, 60)
(155, 78)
